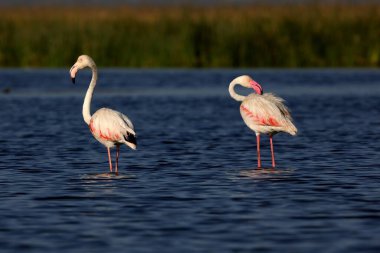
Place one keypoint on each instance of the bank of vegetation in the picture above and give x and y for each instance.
(227, 36)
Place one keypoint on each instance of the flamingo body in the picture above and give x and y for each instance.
(266, 114)
(262, 113)
(109, 127)
(112, 128)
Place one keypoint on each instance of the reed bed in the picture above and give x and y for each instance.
(226, 36)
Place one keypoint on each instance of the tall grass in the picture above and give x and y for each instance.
(253, 36)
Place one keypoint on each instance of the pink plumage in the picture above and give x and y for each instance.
(110, 128)
(262, 113)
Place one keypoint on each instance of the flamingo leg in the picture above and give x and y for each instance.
(117, 158)
(272, 151)
(258, 151)
(109, 159)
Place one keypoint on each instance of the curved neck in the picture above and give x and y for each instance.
(233, 94)
(87, 100)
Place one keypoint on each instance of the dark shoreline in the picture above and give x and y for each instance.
(289, 36)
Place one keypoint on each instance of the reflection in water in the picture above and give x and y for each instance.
(265, 173)
(107, 176)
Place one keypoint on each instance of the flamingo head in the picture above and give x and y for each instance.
(247, 82)
(257, 87)
(82, 62)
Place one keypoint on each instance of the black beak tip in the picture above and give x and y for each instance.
(73, 79)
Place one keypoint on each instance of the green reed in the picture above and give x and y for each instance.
(254, 36)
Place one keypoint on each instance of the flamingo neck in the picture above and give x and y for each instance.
(233, 94)
(87, 99)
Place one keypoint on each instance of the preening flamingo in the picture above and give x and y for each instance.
(109, 127)
(263, 113)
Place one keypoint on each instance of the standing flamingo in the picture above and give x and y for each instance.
(109, 127)
(263, 113)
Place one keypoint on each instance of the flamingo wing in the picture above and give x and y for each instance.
(267, 110)
(110, 125)
(279, 103)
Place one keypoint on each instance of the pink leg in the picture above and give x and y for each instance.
(272, 151)
(258, 151)
(117, 158)
(109, 158)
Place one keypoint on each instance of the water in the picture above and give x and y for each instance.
(192, 185)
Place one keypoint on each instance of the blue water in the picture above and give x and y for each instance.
(192, 185)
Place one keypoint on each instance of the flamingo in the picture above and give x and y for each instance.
(109, 127)
(262, 113)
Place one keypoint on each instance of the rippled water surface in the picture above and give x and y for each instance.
(192, 185)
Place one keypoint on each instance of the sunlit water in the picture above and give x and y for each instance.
(192, 185)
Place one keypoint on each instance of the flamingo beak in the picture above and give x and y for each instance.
(257, 87)
(73, 72)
